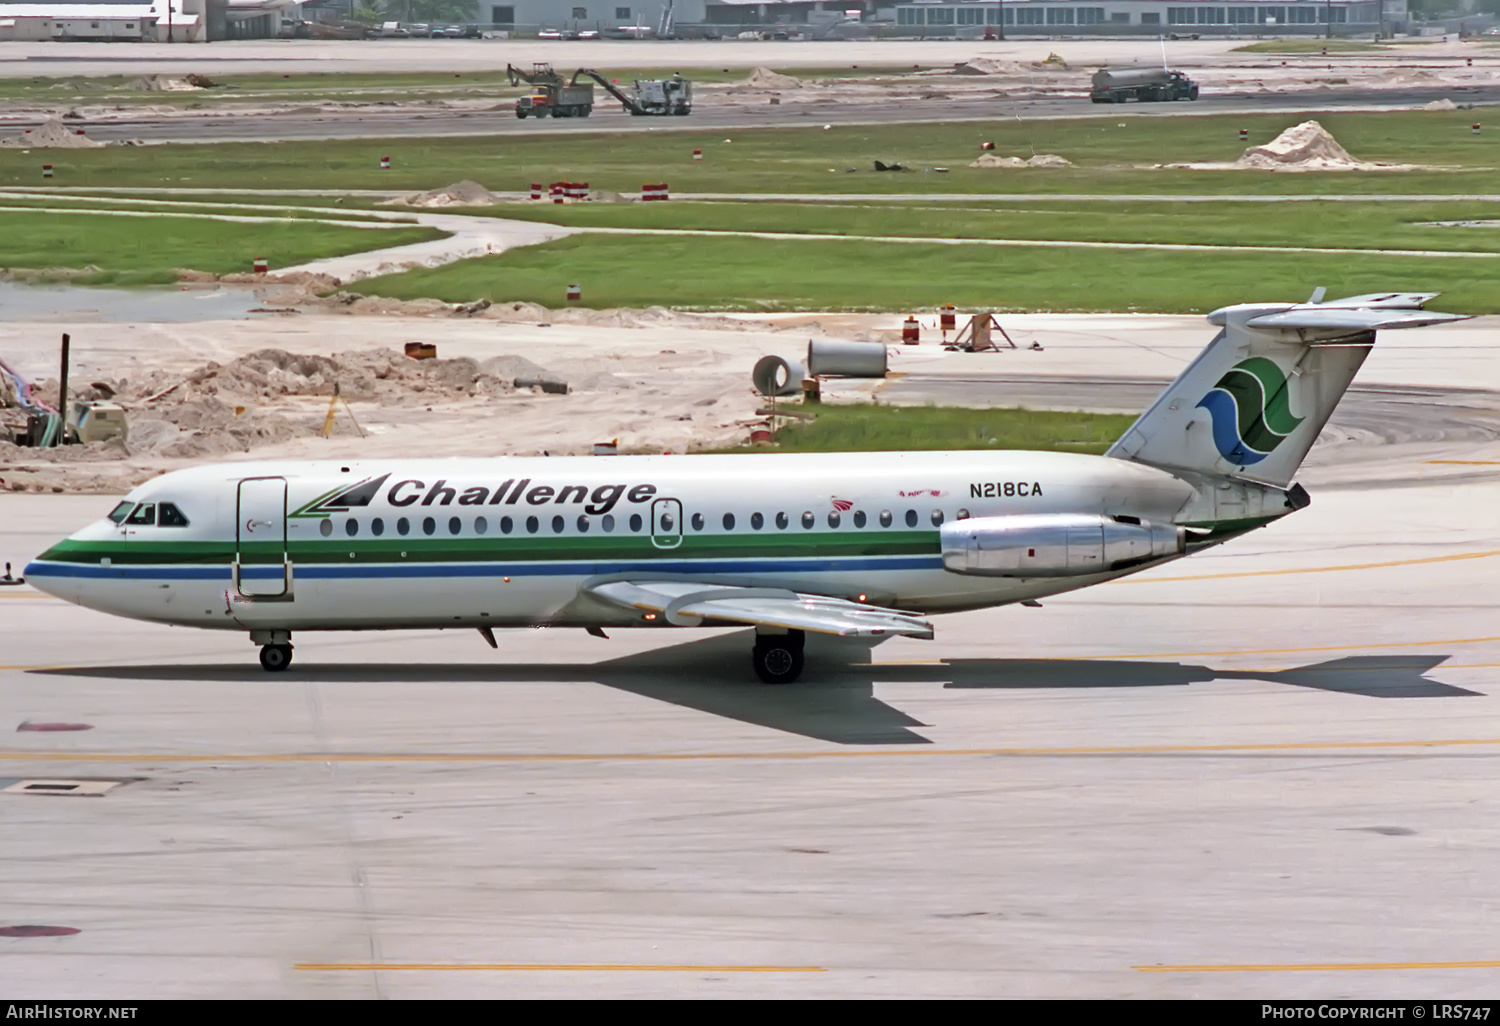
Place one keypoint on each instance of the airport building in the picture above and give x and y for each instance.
(176, 21)
(1184, 17)
(863, 18)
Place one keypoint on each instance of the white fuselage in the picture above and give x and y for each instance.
(513, 541)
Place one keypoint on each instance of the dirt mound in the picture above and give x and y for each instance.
(765, 78)
(459, 194)
(995, 160)
(988, 66)
(1306, 145)
(165, 84)
(1443, 104)
(52, 135)
(1037, 160)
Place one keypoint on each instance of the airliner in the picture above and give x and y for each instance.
(861, 545)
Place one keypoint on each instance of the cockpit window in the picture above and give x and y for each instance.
(145, 514)
(118, 513)
(170, 516)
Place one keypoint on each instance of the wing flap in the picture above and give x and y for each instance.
(690, 603)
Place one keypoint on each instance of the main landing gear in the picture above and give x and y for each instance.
(778, 657)
(275, 649)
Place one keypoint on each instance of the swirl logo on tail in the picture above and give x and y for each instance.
(1249, 411)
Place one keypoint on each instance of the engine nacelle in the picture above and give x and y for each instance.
(1055, 545)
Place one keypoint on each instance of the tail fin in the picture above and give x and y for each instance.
(1251, 405)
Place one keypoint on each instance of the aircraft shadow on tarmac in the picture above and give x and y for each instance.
(835, 701)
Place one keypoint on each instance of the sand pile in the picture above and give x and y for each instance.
(164, 84)
(52, 135)
(1037, 160)
(1308, 147)
(459, 194)
(988, 66)
(765, 78)
(384, 376)
(1443, 104)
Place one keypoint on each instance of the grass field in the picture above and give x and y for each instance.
(1363, 226)
(1308, 46)
(865, 428)
(236, 88)
(1108, 153)
(1034, 205)
(145, 251)
(758, 274)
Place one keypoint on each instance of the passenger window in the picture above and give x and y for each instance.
(635, 521)
(757, 521)
(429, 525)
(403, 527)
(455, 525)
(833, 519)
(607, 522)
(729, 521)
(351, 527)
(505, 525)
(697, 521)
(532, 523)
(808, 520)
(911, 518)
(885, 518)
(168, 515)
(963, 514)
(937, 518)
(326, 528)
(119, 513)
(377, 527)
(859, 518)
(782, 521)
(481, 525)
(145, 514)
(557, 525)
(583, 525)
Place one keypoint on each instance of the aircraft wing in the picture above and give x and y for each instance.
(690, 603)
(1330, 317)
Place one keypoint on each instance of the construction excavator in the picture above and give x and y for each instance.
(553, 96)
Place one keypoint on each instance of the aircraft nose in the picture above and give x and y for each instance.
(49, 573)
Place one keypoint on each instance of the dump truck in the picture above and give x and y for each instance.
(550, 94)
(554, 96)
(1145, 85)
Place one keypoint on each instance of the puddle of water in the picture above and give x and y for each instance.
(168, 303)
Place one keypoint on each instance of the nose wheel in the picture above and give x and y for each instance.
(778, 657)
(275, 658)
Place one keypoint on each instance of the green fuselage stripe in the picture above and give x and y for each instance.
(791, 543)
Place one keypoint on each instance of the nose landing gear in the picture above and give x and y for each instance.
(275, 649)
(777, 658)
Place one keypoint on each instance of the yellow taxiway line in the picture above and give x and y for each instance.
(1483, 554)
(1314, 967)
(862, 753)
(544, 967)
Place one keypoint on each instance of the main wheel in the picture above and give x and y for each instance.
(275, 658)
(778, 659)
(521, 114)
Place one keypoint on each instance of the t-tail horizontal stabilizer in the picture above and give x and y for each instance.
(1251, 405)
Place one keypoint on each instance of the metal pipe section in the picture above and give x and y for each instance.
(775, 375)
(846, 359)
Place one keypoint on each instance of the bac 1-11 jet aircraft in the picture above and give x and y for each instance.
(850, 544)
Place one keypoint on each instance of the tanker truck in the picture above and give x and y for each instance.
(1120, 85)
